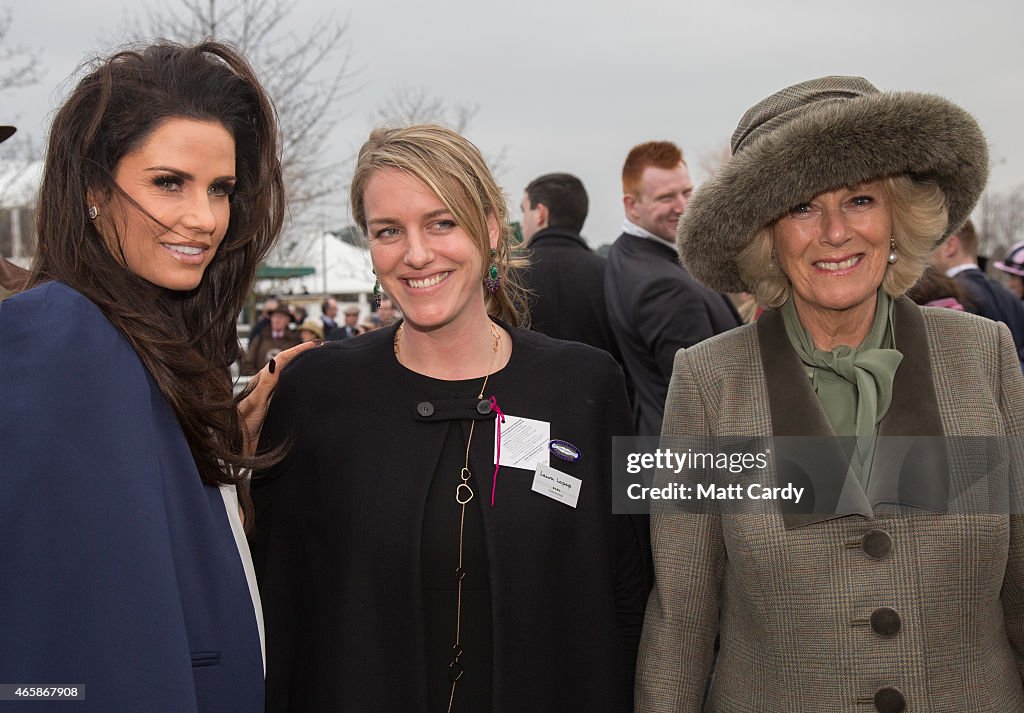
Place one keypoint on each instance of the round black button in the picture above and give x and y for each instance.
(886, 621)
(888, 699)
(877, 544)
(425, 409)
(483, 407)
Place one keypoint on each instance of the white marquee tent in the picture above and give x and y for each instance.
(341, 269)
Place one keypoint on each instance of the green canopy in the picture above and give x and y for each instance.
(266, 272)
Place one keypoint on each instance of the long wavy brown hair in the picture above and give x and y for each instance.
(187, 340)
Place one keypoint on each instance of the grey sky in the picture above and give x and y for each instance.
(572, 86)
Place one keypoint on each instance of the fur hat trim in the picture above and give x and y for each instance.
(834, 143)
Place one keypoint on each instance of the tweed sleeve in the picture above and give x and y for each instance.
(1011, 392)
(677, 643)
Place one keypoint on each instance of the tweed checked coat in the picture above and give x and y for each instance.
(799, 598)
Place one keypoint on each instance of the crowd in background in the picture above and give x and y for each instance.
(282, 325)
(417, 569)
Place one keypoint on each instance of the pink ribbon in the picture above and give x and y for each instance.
(497, 461)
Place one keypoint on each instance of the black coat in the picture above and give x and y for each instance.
(567, 281)
(656, 308)
(337, 540)
(992, 300)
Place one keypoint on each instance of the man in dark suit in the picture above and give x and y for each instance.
(958, 258)
(269, 307)
(654, 305)
(348, 328)
(329, 310)
(565, 275)
(271, 341)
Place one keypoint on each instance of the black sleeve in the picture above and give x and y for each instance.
(279, 529)
(672, 316)
(633, 565)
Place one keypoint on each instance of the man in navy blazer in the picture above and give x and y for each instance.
(958, 258)
(655, 306)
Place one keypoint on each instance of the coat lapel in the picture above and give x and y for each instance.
(907, 471)
(807, 452)
(910, 465)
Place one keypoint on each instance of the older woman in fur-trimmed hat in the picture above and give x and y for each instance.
(872, 596)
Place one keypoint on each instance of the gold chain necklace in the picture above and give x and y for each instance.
(463, 495)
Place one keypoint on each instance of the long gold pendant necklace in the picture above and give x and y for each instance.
(463, 495)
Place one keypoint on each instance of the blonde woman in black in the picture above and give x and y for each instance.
(400, 569)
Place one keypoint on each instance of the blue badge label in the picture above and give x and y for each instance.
(564, 450)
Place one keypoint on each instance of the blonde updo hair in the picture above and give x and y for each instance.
(919, 219)
(453, 168)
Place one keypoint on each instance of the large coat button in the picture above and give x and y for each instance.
(877, 544)
(889, 699)
(483, 407)
(886, 621)
(425, 409)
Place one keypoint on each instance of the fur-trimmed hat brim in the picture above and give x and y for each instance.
(841, 144)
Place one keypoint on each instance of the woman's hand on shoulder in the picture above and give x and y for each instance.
(252, 409)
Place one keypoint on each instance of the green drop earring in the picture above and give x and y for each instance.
(492, 280)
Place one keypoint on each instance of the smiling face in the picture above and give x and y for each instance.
(662, 198)
(425, 261)
(834, 249)
(183, 176)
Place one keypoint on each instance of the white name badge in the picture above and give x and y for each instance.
(524, 442)
(556, 485)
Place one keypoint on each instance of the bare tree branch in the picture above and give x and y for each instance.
(19, 66)
(413, 105)
(289, 66)
(711, 160)
(20, 167)
(1000, 221)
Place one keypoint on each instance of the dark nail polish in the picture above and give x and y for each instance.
(271, 366)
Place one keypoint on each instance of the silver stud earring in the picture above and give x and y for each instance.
(93, 212)
(893, 257)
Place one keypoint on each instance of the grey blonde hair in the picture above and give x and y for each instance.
(919, 219)
(453, 168)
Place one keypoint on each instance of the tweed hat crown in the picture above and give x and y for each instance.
(818, 136)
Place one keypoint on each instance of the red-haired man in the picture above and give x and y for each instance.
(654, 305)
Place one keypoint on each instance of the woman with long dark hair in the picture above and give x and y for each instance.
(124, 572)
